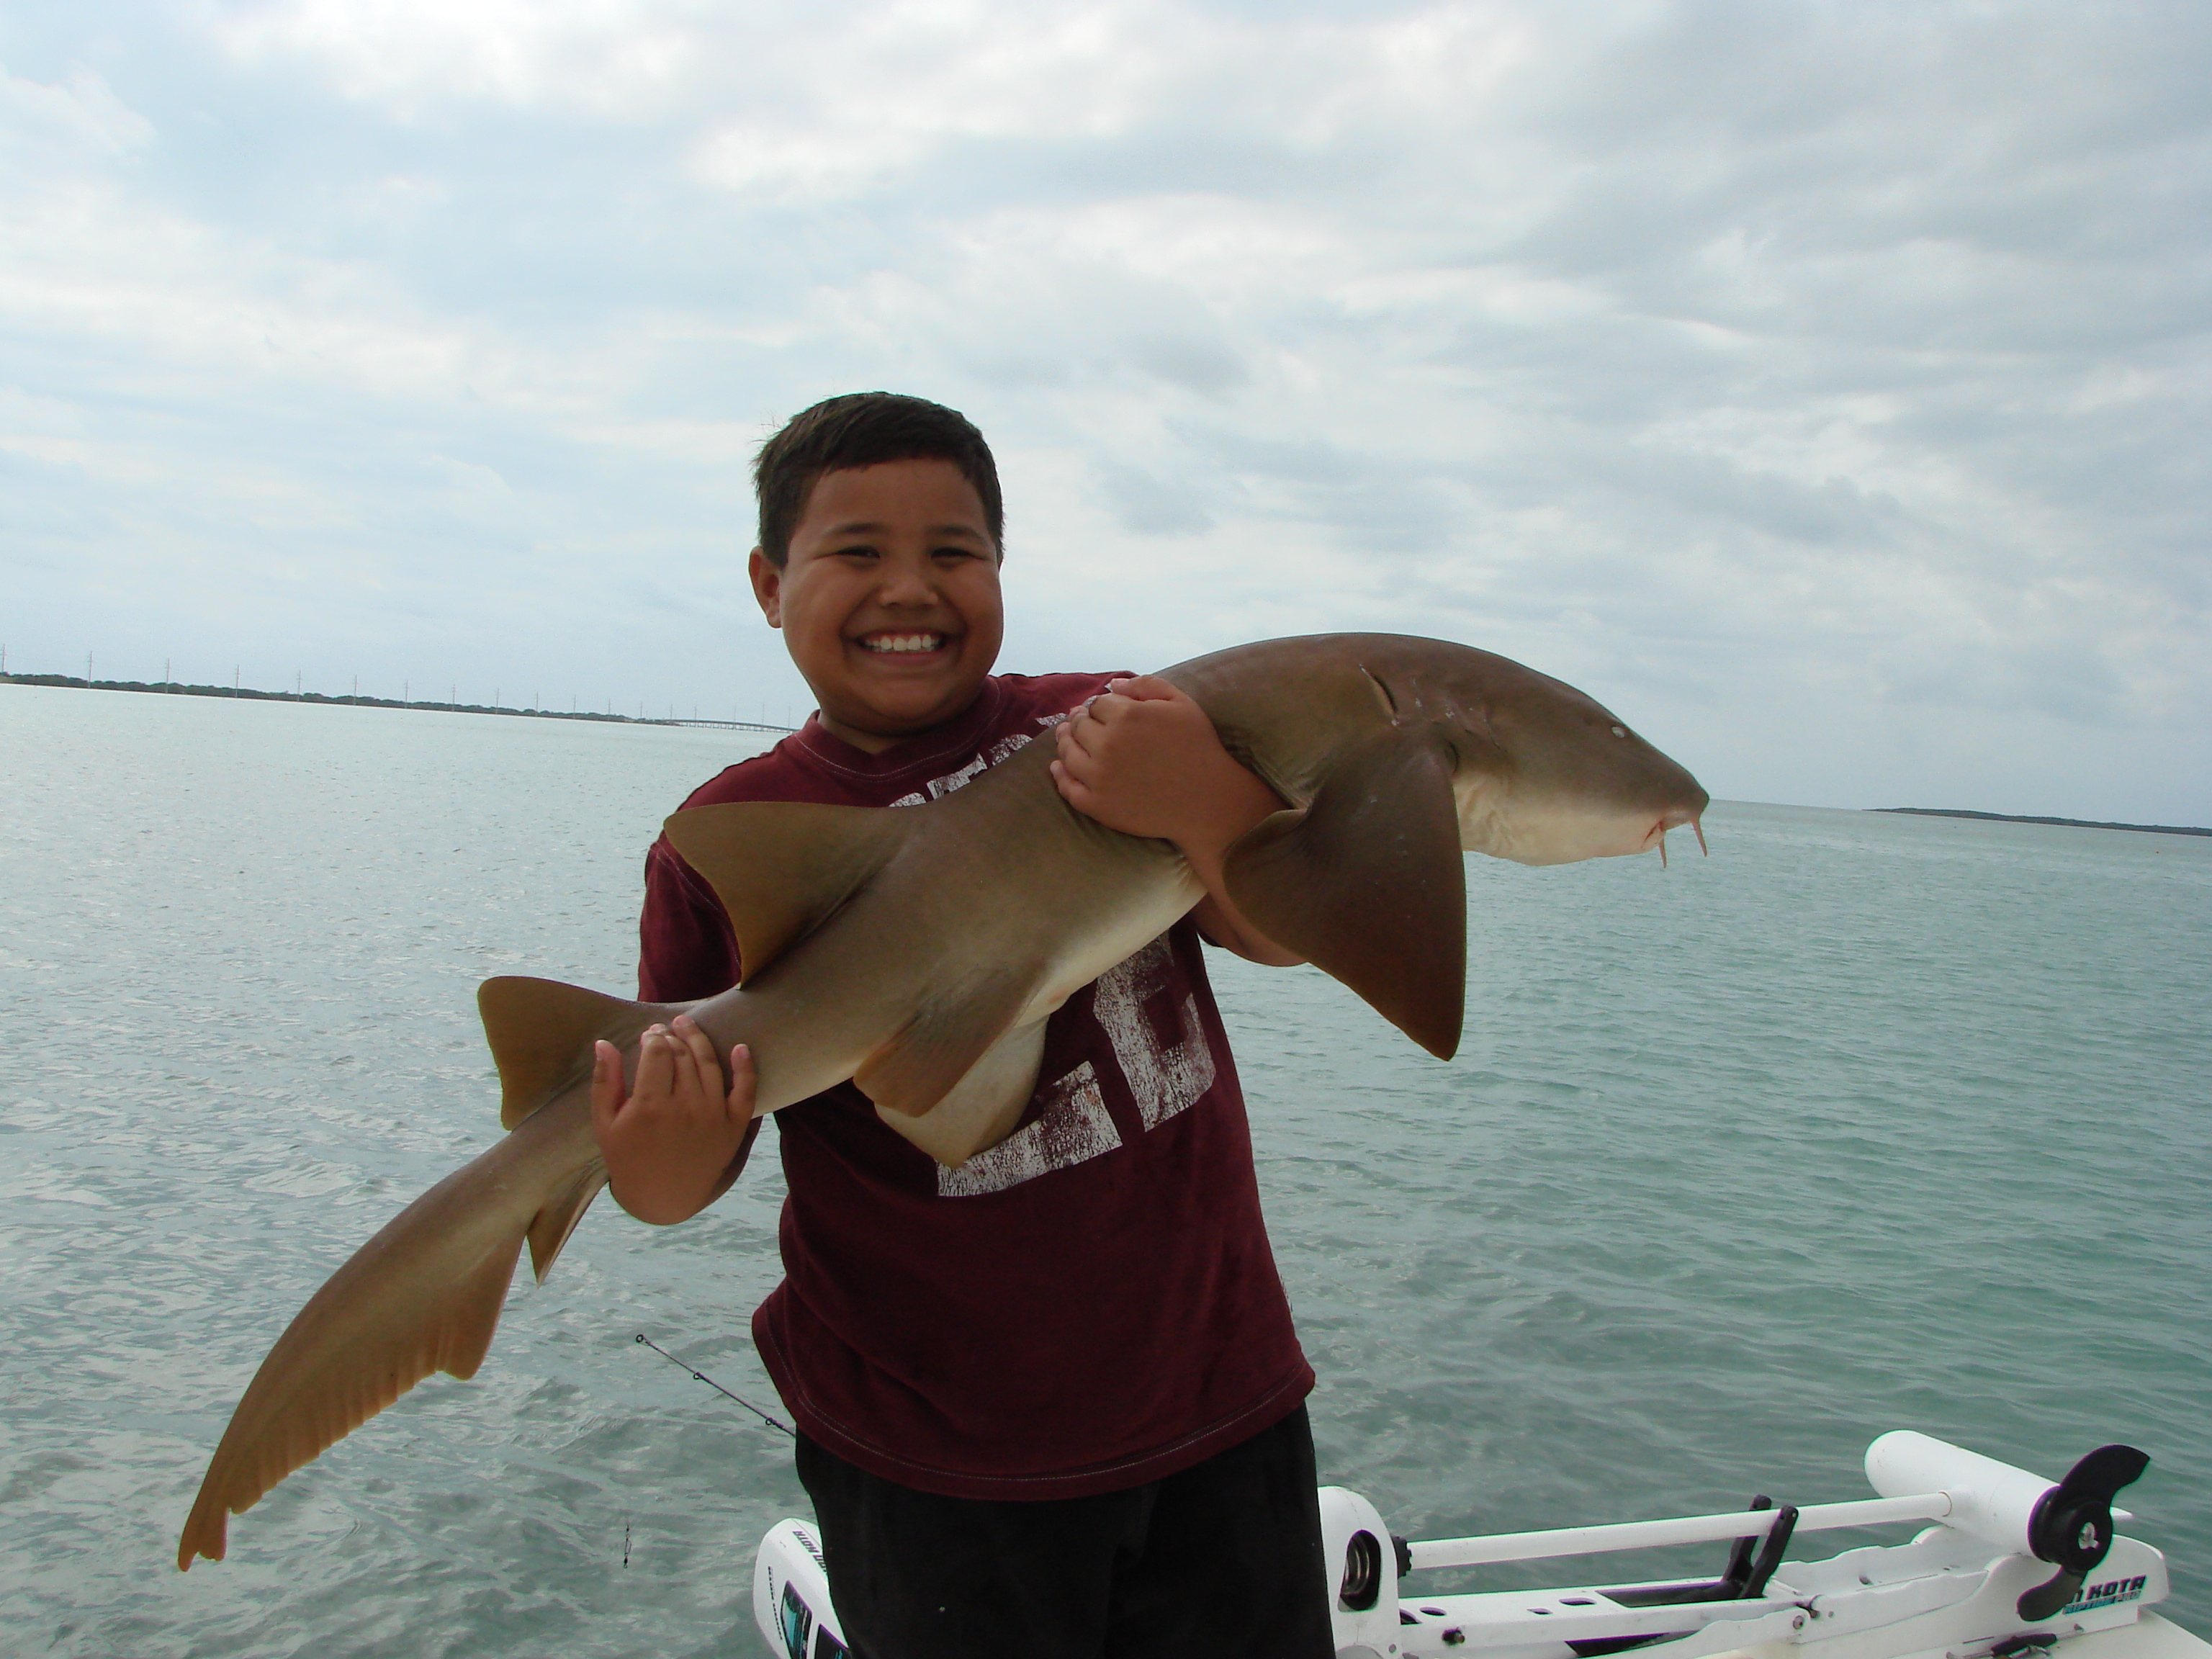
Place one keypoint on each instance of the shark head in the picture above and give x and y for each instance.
(1543, 774)
(1398, 755)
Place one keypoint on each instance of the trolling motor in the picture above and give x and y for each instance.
(2069, 1524)
(1965, 1589)
(791, 1595)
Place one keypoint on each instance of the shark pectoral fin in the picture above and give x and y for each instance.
(422, 1296)
(1368, 885)
(985, 1106)
(782, 868)
(541, 1033)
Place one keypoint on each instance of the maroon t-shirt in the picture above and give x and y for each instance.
(1090, 1304)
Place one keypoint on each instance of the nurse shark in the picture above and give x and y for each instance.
(919, 950)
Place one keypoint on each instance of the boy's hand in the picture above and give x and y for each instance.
(1144, 759)
(668, 1146)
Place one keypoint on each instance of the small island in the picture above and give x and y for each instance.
(2069, 823)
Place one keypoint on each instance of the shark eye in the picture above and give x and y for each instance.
(1620, 730)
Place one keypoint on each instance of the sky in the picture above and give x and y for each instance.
(1822, 386)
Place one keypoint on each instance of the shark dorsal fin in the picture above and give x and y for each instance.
(782, 868)
(1367, 884)
(541, 1033)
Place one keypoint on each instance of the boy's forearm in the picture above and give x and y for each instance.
(658, 1203)
(1222, 922)
(1228, 801)
(1241, 801)
(1144, 759)
(662, 1200)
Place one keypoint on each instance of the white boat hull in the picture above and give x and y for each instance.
(1955, 1590)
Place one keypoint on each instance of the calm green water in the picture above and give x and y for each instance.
(1865, 1122)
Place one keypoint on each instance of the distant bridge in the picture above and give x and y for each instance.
(728, 725)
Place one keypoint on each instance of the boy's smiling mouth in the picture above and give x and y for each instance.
(909, 642)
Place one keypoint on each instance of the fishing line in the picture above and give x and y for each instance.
(702, 1376)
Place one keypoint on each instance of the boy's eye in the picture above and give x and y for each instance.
(860, 551)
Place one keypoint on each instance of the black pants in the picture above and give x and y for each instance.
(1223, 1560)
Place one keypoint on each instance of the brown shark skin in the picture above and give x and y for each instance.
(952, 930)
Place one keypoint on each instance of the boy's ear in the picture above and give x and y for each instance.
(768, 587)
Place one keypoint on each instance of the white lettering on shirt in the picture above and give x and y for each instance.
(1165, 1078)
(938, 788)
(1074, 1126)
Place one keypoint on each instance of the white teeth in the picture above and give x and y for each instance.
(901, 642)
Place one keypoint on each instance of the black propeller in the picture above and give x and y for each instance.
(2072, 1526)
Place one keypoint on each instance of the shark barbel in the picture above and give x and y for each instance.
(919, 950)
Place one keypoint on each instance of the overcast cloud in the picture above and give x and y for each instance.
(1823, 387)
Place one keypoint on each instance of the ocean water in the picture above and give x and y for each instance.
(1864, 1122)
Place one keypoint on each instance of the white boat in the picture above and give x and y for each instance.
(2010, 1565)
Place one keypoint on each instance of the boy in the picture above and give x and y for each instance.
(1051, 1402)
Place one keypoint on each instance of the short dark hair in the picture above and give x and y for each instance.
(866, 429)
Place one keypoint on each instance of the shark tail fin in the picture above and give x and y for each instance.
(422, 1296)
(1368, 884)
(782, 868)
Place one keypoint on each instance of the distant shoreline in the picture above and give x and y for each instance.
(2069, 823)
(172, 688)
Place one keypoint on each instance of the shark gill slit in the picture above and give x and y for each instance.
(1390, 702)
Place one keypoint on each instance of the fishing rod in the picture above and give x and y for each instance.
(702, 1376)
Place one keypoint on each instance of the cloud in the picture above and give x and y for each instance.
(1730, 358)
(607, 58)
(81, 114)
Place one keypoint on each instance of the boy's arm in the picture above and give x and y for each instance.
(1144, 759)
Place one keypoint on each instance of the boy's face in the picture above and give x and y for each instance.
(889, 599)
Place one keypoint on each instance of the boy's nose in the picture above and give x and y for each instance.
(903, 583)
